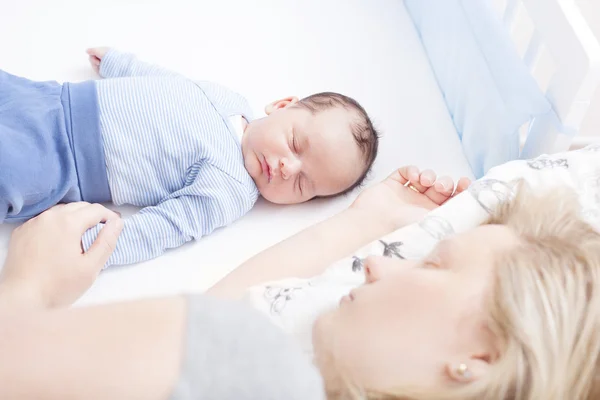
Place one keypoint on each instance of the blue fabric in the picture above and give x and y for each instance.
(170, 149)
(37, 166)
(80, 101)
(487, 88)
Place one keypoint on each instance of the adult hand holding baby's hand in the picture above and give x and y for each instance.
(46, 266)
(95, 55)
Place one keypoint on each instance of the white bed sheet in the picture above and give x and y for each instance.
(264, 49)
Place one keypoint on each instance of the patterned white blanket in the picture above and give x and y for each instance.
(293, 303)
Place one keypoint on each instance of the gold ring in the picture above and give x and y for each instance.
(408, 185)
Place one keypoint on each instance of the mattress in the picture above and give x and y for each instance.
(265, 49)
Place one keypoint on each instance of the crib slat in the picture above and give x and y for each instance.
(570, 42)
(563, 37)
(510, 13)
(499, 7)
(534, 49)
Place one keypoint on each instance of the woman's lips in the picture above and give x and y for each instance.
(348, 298)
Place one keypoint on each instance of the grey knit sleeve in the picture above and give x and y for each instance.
(234, 352)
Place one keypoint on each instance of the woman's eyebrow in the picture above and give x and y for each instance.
(445, 250)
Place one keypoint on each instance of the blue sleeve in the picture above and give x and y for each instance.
(212, 200)
(115, 64)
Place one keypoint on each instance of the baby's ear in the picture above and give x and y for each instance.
(278, 104)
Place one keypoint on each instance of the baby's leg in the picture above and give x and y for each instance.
(36, 164)
(3, 210)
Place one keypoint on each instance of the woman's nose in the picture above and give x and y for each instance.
(379, 267)
(375, 268)
(289, 167)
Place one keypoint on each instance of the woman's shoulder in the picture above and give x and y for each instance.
(233, 352)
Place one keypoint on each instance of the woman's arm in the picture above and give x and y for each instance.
(127, 351)
(122, 351)
(307, 253)
(377, 211)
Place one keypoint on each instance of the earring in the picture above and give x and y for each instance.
(463, 371)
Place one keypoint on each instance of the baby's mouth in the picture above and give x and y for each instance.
(267, 170)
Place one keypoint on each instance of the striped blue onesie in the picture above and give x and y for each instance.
(168, 146)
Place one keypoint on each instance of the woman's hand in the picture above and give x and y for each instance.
(407, 194)
(46, 266)
(95, 56)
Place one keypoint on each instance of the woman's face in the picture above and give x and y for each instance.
(411, 320)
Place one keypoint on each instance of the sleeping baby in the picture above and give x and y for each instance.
(188, 152)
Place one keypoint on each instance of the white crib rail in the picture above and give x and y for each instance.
(563, 55)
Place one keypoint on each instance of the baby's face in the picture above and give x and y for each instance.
(294, 155)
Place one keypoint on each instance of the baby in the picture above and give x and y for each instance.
(189, 152)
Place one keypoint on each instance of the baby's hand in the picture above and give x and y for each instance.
(96, 54)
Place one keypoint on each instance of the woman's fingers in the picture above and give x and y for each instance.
(105, 243)
(46, 251)
(406, 173)
(441, 190)
(90, 215)
(70, 207)
(462, 185)
(424, 180)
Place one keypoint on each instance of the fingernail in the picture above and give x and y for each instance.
(444, 187)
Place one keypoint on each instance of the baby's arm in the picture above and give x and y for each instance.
(190, 213)
(111, 63)
(153, 230)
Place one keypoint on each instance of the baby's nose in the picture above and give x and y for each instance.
(289, 168)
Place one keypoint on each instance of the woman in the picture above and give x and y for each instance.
(509, 310)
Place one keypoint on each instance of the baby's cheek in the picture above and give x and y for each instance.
(269, 192)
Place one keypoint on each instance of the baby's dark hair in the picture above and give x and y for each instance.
(365, 134)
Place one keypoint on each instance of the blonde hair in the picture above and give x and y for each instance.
(544, 309)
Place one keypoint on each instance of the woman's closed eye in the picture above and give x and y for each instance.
(438, 258)
(428, 264)
(431, 262)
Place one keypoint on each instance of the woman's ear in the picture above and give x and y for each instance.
(278, 104)
(469, 370)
